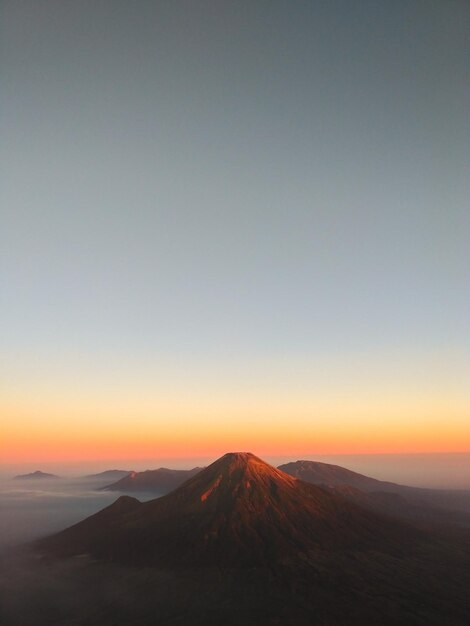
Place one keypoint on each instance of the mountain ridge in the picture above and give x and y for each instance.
(116, 474)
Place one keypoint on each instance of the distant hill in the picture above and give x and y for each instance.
(113, 474)
(160, 481)
(337, 478)
(35, 475)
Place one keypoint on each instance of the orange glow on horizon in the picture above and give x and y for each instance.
(211, 440)
(64, 423)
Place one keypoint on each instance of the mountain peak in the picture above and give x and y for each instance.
(237, 479)
(242, 461)
(36, 474)
(237, 457)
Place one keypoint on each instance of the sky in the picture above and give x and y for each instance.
(234, 225)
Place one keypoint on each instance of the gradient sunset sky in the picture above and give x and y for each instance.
(234, 225)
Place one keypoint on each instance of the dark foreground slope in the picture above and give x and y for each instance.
(244, 543)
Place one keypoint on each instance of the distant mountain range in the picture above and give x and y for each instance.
(35, 475)
(160, 481)
(112, 474)
(241, 538)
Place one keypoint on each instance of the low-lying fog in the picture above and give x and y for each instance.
(34, 508)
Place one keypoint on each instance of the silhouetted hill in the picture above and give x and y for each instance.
(335, 476)
(113, 474)
(35, 475)
(159, 481)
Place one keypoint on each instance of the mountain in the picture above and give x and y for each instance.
(335, 476)
(35, 475)
(432, 503)
(237, 512)
(243, 543)
(159, 481)
(113, 474)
